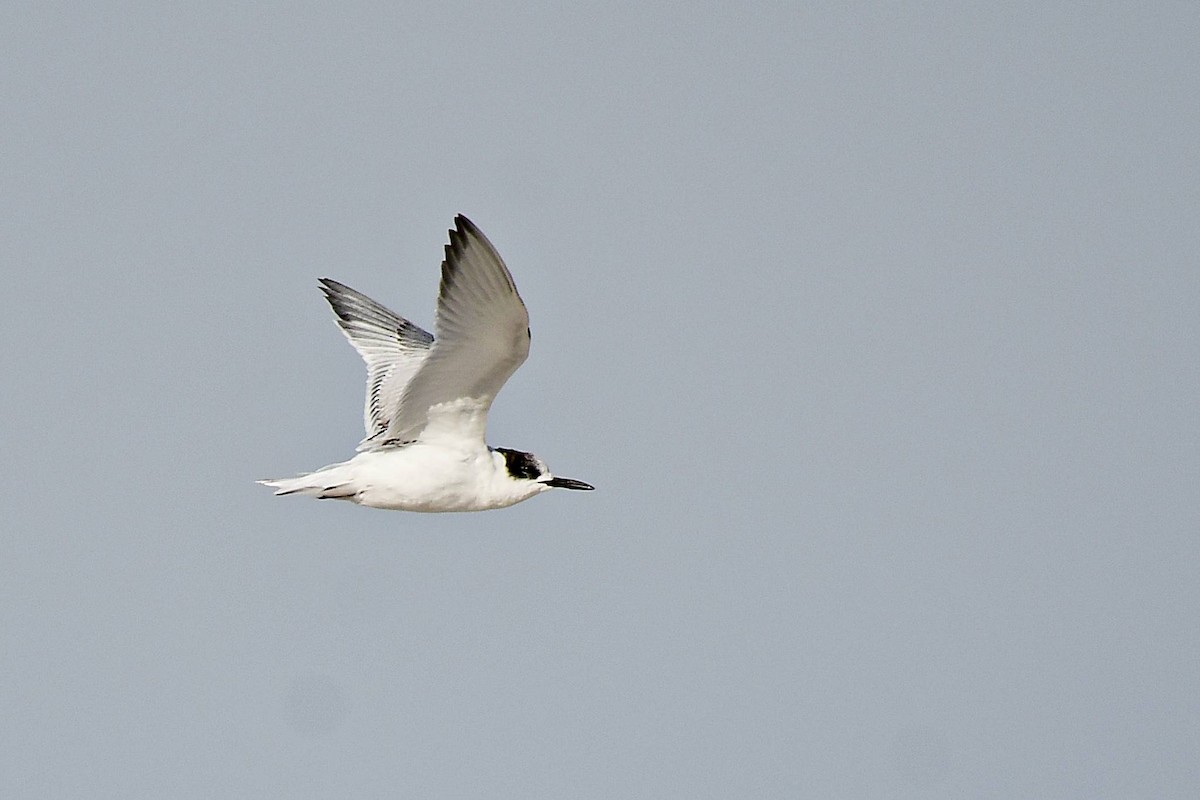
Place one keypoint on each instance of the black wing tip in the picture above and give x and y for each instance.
(464, 225)
(341, 296)
(350, 304)
(335, 291)
(461, 235)
(336, 294)
(464, 234)
(463, 230)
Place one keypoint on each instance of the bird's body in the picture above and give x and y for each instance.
(417, 477)
(428, 399)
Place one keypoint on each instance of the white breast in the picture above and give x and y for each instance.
(425, 477)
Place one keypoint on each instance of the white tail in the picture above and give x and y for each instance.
(325, 484)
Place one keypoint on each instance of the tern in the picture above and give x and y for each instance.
(428, 397)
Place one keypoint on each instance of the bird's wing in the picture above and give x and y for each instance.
(392, 346)
(482, 337)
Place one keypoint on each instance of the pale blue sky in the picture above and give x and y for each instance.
(876, 329)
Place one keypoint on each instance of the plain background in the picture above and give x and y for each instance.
(876, 328)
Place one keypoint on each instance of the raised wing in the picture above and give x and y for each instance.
(482, 337)
(392, 347)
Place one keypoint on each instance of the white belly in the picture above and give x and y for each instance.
(421, 477)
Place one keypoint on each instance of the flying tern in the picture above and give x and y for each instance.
(428, 397)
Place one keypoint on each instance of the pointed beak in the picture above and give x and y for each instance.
(567, 483)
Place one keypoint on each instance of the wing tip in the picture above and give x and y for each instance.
(338, 295)
(465, 234)
(335, 292)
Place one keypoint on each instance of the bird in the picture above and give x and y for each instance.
(428, 396)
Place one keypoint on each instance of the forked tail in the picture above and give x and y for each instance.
(324, 484)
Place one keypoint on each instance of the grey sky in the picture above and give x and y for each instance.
(876, 330)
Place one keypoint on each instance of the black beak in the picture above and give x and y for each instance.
(567, 483)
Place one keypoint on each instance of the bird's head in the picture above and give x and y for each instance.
(528, 467)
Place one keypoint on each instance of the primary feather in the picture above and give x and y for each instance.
(392, 347)
(428, 399)
(482, 337)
